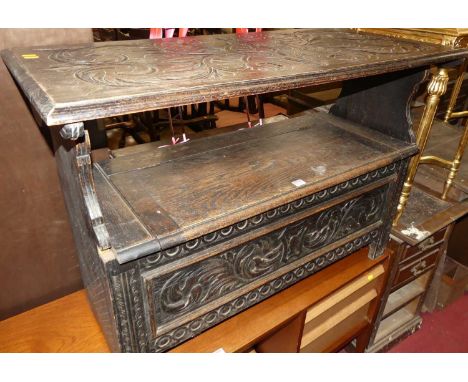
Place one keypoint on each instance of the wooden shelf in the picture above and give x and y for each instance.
(406, 294)
(396, 320)
(338, 315)
(282, 152)
(403, 331)
(357, 311)
(344, 292)
(339, 334)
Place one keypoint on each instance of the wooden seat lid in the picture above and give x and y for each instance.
(160, 198)
(83, 82)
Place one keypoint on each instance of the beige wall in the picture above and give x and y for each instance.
(38, 262)
(19, 37)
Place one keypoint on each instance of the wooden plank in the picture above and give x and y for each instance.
(204, 134)
(83, 82)
(425, 214)
(151, 154)
(396, 320)
(139, 158)
(284, 340)
(195, 190)
(405, 294)
(338, 317)
(341, 334)
(122, 224)
(63, 325)
(346, 291)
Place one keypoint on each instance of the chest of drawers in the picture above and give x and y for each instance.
(419, 242)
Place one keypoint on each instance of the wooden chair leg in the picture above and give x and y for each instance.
(252, 105)
(261, 110)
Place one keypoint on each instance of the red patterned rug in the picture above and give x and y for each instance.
(444, 331)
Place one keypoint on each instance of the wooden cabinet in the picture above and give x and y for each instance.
(174, 241)
(335, 320)
(407, 271)
(419, 242)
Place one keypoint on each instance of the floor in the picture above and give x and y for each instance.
(444, 331)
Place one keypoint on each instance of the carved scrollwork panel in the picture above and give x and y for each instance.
(182, 291)
(156, 64)
(190, 329)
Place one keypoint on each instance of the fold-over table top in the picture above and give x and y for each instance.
(82, 82)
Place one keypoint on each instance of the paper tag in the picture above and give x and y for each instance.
(416, 233)
(298, 182)
(29, 56)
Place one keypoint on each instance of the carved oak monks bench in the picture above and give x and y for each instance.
(174, 240)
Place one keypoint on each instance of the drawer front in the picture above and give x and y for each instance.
(410, 270)
(337, 315)
(184, 301)
(426, 246)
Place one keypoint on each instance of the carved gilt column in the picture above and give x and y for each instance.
(456, 90)
(455, 164)
(436, 88)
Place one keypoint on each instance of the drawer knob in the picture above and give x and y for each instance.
(418, 268)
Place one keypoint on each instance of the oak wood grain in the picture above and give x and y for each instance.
(63, 325)
(162, 197)
(99, 80)
(214, 227)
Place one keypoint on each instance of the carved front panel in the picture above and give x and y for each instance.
(209, 283)
(268, 217)
(193, 327)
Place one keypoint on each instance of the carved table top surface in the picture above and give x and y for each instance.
(82, 82)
